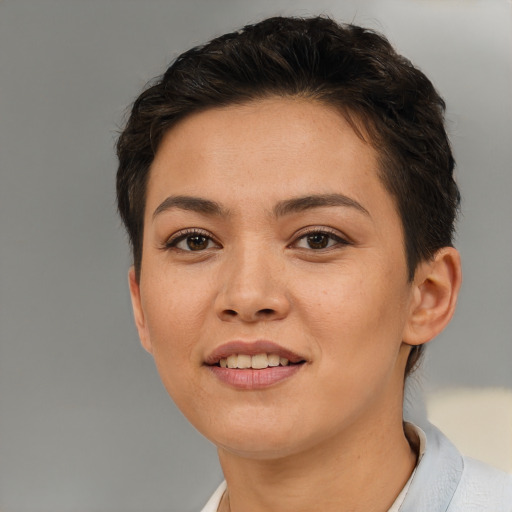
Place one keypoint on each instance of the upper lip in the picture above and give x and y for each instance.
(251, 348)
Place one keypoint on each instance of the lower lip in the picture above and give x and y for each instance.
(254, 379)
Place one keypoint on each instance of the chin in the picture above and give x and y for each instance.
(266, 440)
(253, 439)
(261, 449)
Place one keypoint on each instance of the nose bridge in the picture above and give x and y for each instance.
(252, 286)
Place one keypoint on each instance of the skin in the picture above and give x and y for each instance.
(330, 437)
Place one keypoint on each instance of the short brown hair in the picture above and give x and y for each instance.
(389, 102)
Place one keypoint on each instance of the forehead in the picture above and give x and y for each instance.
(289, 145)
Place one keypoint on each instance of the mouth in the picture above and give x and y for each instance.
(256, 362)
(257, 355)
(253, 365)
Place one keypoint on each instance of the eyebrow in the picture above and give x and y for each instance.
(300, 204)
(190, 203)
(282, 208)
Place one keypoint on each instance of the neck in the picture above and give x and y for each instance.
(361, 469)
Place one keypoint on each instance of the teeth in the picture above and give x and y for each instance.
(273, 360)
(232, 361)
(257, 362)
(244, 361)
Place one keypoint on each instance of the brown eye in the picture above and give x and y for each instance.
(197, 242)
(318, 240)
(192, 241)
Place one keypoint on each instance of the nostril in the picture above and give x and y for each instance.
(260, 313)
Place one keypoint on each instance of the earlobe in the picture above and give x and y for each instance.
(434, 296)
(138, 312)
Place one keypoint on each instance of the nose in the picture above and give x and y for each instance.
(252, 288)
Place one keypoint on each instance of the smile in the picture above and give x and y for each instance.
(256, 362)
(258, 354)
(253, 365)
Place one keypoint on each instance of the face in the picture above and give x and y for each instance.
(271, 245)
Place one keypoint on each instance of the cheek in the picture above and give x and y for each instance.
(355, 325)
(354, 314)
(339, 298)
(173, 316)
(174, 310)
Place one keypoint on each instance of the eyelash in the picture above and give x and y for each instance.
(180, 236)
(331, 234)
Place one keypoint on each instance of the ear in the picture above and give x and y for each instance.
(138, 311)
(434, 296)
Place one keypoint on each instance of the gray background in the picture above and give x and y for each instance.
(85, 424)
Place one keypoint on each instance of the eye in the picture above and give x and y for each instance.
(191, 240)
(318, 240)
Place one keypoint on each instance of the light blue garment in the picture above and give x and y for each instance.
(445, 481)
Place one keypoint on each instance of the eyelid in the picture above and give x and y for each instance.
(340, 237)
(180, 235)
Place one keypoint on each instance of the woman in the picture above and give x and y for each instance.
(288, 191)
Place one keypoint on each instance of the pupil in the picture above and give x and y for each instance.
(197, 242)
(317, 241)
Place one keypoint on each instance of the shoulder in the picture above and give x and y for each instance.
(482, 488)
(446, 481)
